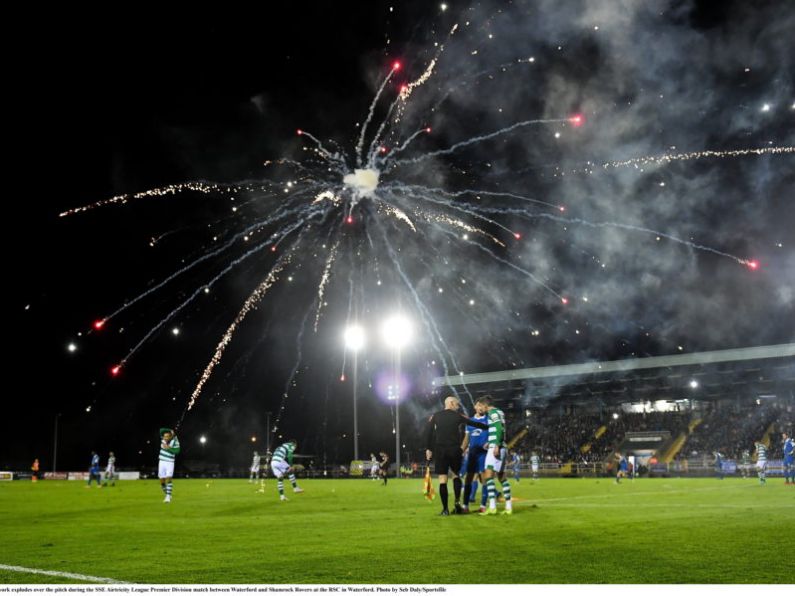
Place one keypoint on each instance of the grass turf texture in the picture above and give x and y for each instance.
(358, 531)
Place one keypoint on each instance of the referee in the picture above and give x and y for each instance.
(444, 438)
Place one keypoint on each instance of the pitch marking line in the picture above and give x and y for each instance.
(90, 578)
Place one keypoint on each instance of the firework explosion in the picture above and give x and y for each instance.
(439, 218)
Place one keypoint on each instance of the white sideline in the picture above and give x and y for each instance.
(91, 578)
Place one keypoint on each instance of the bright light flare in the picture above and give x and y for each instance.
(99, 324)
(115, 370)
(397, 331)
(354, 339)
(564, 300)
(753, 265)
(396, 66)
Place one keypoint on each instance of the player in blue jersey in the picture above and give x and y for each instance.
(516, 462)
(475, 444)
(623, 466)
(789, 459)
(93, 470)
(718, 464)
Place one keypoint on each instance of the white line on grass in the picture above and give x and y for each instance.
(89, 578)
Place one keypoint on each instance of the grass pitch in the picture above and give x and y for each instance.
(358, 531)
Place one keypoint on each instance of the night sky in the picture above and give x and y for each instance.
(652, 257)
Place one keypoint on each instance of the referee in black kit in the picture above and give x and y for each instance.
(444, 439)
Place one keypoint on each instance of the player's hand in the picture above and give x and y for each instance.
(428, 454)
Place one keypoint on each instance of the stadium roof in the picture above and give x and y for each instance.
(756, 372)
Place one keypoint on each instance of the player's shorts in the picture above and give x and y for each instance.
(476, 462)
(493, 463)
(255, 469)
(761, 465)
(535, 469)
(279, 468)
(447, 458)
(165, 469)
(788, 461)
(110, 470)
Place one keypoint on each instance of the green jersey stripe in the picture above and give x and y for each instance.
(169, 453)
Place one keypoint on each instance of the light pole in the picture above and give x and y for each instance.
(354, 341)
(268, 437)
(396, 332)
(55, 444)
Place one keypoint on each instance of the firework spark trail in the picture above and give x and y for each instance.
(372, 151)
(521, 270)
(172, 189)
(406, 92)
(334, 158)
(410, 191)
(210, 255)
(251, 302)
(473, 140)
(510, 195)
(666, 158)
(489, 193)
(622, 226)
(293, 372)
(425, 315)
(398, 214)
(209, 284)
(324, 280)
(370, 113)
(402, 100)
(446, 219)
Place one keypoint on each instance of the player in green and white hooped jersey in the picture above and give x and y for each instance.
(761, 461)
(535, 461)
(496, 441)
(281, 464)
(255, 467)
(169, 448)
(110, 470)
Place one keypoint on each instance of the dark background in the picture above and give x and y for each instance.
(114, 103)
